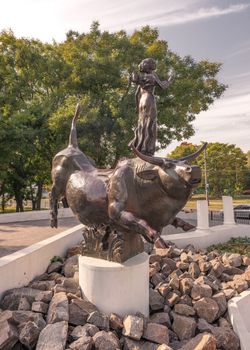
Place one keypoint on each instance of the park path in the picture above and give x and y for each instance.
(18, 235)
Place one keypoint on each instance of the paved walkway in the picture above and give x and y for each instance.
(18, 235)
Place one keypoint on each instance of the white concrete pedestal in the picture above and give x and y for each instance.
(228, 210)
(113, 287)
(202, 215)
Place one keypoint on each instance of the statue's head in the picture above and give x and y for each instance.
(147, 65)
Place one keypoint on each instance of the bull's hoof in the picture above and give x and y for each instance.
(188, 227)
(53, 223)
(160, 243)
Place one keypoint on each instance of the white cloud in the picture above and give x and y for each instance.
(227, 121)
(239, 52)
(47, 19)
(228, 107)
(183, 16)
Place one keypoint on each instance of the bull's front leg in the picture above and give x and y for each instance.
(53, 207)
(130, 222)
(117, 209)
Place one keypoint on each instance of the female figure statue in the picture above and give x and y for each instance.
(146, 131)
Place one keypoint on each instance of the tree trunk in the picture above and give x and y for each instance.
(33, 204)
(3, 202)
(19, 201)
(39, 195)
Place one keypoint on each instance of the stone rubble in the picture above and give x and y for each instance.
(188, 295)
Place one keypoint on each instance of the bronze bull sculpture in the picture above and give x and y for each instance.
(140, 196)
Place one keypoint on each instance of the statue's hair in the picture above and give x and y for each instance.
(146, 65)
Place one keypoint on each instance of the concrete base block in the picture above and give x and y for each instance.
(34, 215)
(113, 287)
(239, 309)
(204, 238)
(19, 268)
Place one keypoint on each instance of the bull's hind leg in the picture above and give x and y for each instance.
(53, 207)
(186, 226)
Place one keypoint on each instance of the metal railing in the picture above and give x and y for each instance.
(240, 216)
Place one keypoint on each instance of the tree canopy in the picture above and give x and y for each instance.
(41, 84)
(226, 166)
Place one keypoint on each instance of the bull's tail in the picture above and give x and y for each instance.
(73, 135)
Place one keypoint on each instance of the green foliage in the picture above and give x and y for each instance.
(240, 245)
(226, 166)
(41, 83)
(100, 64)
(56, 258)
(31, 88)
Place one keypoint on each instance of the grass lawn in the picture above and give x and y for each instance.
(240, 245)
(215, 204)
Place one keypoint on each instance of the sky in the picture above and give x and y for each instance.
(217, 30)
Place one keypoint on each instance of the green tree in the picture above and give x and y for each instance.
(100, 64)
(247, 176)
(30, 90)
(226, 166)
(41, 83)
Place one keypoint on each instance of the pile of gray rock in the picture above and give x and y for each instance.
(188, 290)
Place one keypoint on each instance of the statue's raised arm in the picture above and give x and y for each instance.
(165, 83)
(146, 81)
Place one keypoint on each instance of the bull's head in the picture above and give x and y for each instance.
(175, 175)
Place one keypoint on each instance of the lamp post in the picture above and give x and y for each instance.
(205, 170)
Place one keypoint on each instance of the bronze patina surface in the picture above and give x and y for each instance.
(137, 198)
(146, 80)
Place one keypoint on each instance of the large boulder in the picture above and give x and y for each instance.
(201, 342)
(8, 335)
(207, 308)
(70, 266)
(83, 343)
(58, 308)
(106, 341)
(53, 336)
(184, 326)
(29, 334)
(99, 319)
(88, 330)
(12, 297)
(156, 301)
(156, 333)
(133, 327)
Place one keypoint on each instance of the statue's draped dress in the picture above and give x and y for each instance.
(146, 131)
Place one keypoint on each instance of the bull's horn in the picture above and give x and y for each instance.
(193, 155)
(150, 159)
(162, 161)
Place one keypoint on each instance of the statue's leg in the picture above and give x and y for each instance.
(140, 134)
(149, 141)
(53, 207)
